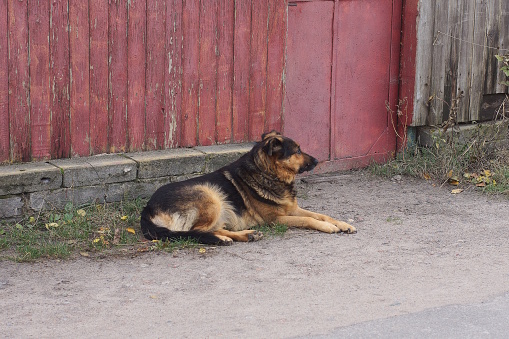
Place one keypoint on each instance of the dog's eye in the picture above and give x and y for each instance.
(298, 151)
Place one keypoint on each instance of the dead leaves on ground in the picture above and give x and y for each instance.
(481, 179)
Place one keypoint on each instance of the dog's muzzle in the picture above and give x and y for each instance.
(310, 164)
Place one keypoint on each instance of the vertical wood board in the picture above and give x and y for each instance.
(275, 64)
(59, 80)
(38, 27)
(117, 101)
(225, 43)
(190, 65)
(155, 69)
(424, 61)
(173, 73)
(258, 69)
(207, 73)
(80, 77)
(241, 57)
(4, 85)
(360, 114)
(98, 22)
(19, 81)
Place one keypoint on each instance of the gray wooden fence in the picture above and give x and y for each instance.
(455, 62)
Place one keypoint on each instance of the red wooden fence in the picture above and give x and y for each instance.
(85, 77)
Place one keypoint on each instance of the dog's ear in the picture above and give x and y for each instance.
(272, 133)
(273, 146)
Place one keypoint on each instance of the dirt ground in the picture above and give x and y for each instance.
(418, 247)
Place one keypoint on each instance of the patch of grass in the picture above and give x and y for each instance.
(63, 234)
(472, 160)
(172, 245)
(272, 229)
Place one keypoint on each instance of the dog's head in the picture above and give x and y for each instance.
(283, 156)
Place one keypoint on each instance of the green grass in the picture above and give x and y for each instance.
(62, 234)
(170, 246)
(91, 231)
(273, 229)
(475, 162)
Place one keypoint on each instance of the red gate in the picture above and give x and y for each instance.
(342, 71)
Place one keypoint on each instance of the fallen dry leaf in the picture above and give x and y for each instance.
(481, 184)
(123, 218)
(81, 213)
(457, 191)
(130, 230)
(51, 224)
(84, 254)
(453, 181)
(426, 176)
(202, 250)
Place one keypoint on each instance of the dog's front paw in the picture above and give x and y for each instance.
(346, 228)
(254, 236)
(328, 227)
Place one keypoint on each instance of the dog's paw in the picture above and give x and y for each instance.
(254, 236)
(328, 227)
(346, 228)
(225, 241)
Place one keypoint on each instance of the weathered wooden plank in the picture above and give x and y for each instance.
(207, 73)
(441, 53)
(503, 43)
(453, 29)
(190, 64)
(19, 81)
(173, 75)
(38, 27)
(466, 9)
(275, 64)
(137, 25)
(98, 76)
(241, 56)
(80, 78)
(394, 73)
(155, 115)
(424, 61)
(4, 85)
(492, 40)
(258, 70)
(224, 107)
(59, 80)
(117, 106)
(366, 131)
(136, 44)
(407, 90)
(478, 58)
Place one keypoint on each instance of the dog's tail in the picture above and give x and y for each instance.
(153, 232)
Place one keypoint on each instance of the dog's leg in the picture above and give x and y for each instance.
(343, 226)
(308, 222)
(244, 236)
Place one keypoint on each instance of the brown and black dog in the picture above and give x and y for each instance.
(220, 207)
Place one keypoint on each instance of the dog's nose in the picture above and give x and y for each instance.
(314, 161)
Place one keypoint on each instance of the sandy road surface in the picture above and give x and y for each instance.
(418, 248)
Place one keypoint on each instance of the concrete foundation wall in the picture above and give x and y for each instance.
(31, 187)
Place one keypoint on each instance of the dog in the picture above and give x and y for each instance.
(222, 206)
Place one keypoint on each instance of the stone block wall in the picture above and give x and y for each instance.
(31, 187)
